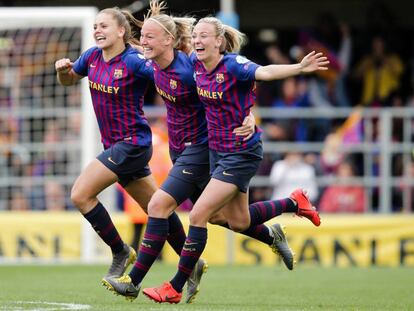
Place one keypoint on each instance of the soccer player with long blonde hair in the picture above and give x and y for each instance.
(226, 86)
(161, 36)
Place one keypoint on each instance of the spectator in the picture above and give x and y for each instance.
(294, 95)
(380, 72)
(54, 196)
(18, 201)
(343, 197)
(291, 173)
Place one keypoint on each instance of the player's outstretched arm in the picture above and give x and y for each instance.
(65, 74)
(310, 63)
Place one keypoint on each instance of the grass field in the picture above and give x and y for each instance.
(73, 287)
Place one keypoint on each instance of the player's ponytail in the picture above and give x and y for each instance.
(135, 26)
(156, 8)
(184, 26)
(233, 39)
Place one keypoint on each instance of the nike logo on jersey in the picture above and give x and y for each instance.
(92, 65)
(187, 172)
(227, 174)
(198, 73)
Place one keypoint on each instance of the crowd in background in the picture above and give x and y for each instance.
(371, 66)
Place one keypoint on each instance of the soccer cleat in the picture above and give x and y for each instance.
(280, 246)
(305, 208)
(122, 286)
(121, 261)
(193, 283)
(164, 293)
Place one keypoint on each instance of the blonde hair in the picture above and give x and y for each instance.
(233, 40)
(179, 28)
(125, 19)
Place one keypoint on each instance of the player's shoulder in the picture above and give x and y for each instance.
(235, 59)
(92, 50)
(183, 59)
(135, 57)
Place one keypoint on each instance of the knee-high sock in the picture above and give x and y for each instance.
(192, 250)
(176, 234)
(263, 211)
(102, 223)
(259, 232)
(152, 243)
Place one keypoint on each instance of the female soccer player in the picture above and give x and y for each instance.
(187, 129)
(226, 86)
(118, 77)
(174, 79)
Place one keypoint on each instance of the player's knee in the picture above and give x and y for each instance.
(198, 218)
(80, 200)
(158, 208)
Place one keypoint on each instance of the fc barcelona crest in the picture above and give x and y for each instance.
(118, 73)
(220, 77)
(173, 84)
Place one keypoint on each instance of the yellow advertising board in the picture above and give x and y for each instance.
(356, 240)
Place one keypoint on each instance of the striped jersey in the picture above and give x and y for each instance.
(185, 113)
(117, 89)
(228, 94)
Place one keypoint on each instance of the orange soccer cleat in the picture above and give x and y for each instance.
(164, 293)
(305, 208)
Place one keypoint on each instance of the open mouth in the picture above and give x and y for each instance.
(100, 39)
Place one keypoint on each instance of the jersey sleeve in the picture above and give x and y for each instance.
(242, 68)
(141, 66)
(193, 58)
(80, 66)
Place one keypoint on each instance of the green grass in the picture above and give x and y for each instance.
(223, 288)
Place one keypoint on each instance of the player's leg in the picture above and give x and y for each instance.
(130, 164)
(160, 209)
(273, 235)
(239, 169)
(215, 195)
(95, 178)
(154, 238)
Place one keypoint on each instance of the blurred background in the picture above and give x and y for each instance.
(345, 135)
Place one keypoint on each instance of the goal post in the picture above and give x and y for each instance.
(31, 39)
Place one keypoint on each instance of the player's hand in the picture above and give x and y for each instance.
(247, 129)
(314, 61)
(63, 65)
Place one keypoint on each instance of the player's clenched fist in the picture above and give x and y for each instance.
(63, 65)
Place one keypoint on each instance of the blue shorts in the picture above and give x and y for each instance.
(189, 174)
(129, 162)
(236, 168)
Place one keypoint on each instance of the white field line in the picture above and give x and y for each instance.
(42, 306)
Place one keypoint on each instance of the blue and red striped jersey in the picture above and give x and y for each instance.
(117, 88)
(185, 113)
(228, 94)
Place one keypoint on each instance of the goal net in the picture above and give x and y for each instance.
(47, 132)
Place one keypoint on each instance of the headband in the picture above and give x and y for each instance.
(165, 28)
